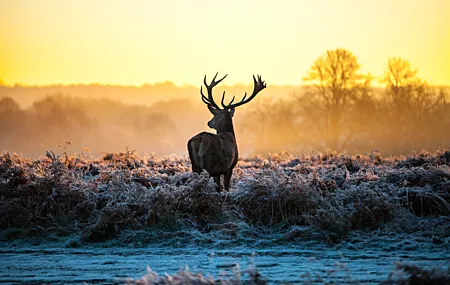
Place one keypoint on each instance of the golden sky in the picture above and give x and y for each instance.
(147, 41)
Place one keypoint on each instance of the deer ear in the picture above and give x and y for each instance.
(212, 110)
(232, 112)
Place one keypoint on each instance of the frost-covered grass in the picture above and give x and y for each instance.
(403, 274)
(155, 198)
(249, 276)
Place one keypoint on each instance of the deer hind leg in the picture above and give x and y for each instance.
(227, 179)
(217, 181)
(194, 158)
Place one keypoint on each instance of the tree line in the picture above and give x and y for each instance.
(341, 110)
(102, 125)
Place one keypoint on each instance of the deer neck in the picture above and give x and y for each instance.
(227, 138)
(227, 127)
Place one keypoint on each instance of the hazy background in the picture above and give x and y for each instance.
(156, 118)
(347, 76)
(337, 109)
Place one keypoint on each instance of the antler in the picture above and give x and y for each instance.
(210, 99)
(258, 86)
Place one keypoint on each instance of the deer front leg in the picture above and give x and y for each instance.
(227, 179)
(217, 180)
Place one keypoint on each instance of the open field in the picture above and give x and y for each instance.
(366, 207)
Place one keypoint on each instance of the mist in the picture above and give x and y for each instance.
(337, 109)
(98, 119)
(95, 120)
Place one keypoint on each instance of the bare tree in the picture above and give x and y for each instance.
(8, 105)
(336, 84)
(10, 115)
(412, 112)
(400, 80)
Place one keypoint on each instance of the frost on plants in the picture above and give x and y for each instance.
(334, 194)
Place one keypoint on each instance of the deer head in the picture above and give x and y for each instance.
(222, 118)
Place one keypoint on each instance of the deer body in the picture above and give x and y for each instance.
(218, 153)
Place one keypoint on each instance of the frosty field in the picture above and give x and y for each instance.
(353, 262)
(314, 219)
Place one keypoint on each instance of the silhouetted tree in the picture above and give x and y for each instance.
(400, 81)
(60, 113)
(412, 112)
(336, 85)
(8, 105)
(9, 117)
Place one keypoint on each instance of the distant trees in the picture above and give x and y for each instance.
(9, 113)
(412, 111)
(268, 125)
(8, 105)
(339, 110)
(102, 125)
(61, 114)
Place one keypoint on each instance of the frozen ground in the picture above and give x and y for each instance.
(362, 259)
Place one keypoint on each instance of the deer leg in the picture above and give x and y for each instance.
(217, 180)
(195, 167)
(227, 179)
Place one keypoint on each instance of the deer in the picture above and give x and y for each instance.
(218, 153)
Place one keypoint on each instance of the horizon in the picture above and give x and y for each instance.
(112, 43)
(145, 84)
(172, 84)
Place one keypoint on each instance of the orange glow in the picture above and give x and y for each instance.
(131, 43)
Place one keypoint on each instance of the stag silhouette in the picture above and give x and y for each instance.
(218, 154)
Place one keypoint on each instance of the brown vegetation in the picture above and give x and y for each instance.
(329, 194)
